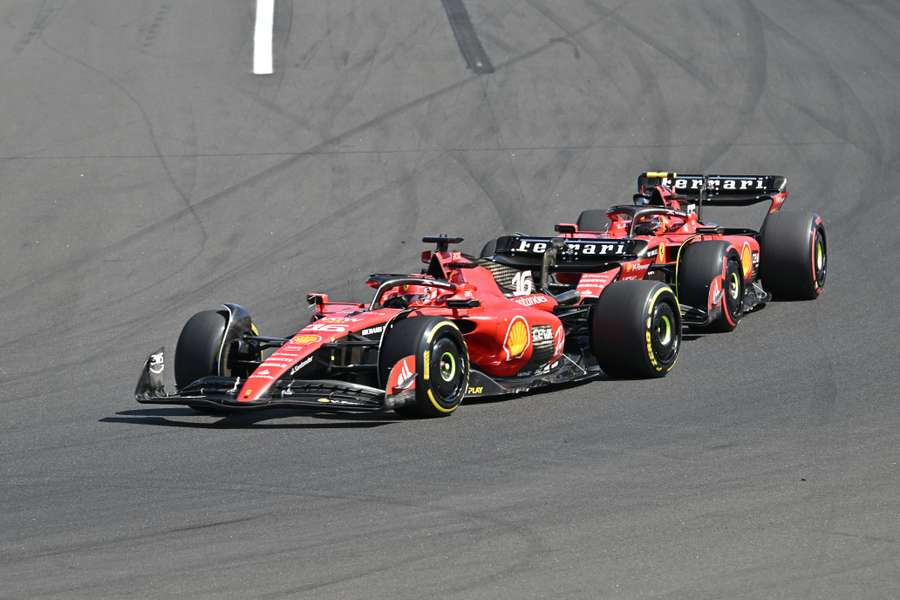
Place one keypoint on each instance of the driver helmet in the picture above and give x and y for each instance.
(651, 225)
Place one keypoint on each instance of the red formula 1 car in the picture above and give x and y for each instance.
(718, 273)
(421, 345)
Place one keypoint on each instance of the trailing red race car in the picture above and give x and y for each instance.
(422, 344)
(718, 273)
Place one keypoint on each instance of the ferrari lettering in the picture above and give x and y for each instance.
(572, 247)
(720, 183)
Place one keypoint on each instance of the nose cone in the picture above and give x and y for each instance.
(273, 368)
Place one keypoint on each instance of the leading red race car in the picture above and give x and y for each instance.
(718, 273)
(422, 344)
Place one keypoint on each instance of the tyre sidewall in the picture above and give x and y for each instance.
(788, 255)
(700, 265)
(622, 329)
(417, 336)
(428, 399)
(199, 346)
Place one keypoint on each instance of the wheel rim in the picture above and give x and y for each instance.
(447, 362)
(447, 366)
(664, 337)
(664, 330)
(820, 259)
(734, 288)
(735, 295)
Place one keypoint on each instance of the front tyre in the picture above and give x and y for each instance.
(199, 347)
(442, 363)
(206, 347)
(793, 259)
(636, 329)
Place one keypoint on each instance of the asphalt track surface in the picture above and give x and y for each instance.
(146, 174)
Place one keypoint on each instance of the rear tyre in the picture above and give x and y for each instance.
(793, 259)
(593, 220)
(636, 329)
(442, 363)
(703, 263)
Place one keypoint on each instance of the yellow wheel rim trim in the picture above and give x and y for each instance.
(452, 362)
(664, 332)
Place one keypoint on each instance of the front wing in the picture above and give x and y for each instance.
(221, 393)
(328, 395)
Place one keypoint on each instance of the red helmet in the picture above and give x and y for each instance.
(652, 224)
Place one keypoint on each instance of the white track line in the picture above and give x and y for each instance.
(262, 37)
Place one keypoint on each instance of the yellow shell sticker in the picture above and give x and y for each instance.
(746, 260)
(517, 338)
(302, 340)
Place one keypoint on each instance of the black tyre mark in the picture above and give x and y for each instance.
(45, 14)
(153, 30)
(756, 84)
(280, 167)
(469, 44)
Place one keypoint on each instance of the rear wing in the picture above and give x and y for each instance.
(572, 254)
(720, 190)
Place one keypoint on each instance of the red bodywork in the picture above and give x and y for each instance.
(493, 330)
(674, 224)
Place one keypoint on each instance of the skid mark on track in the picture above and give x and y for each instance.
(469, 45)
(655, 43)
(424, 521)
(280, 167)
(509, 215)
(130, 539)
(863, 134)
(651, 90)
(756, 84)
(45, 14)
(152, 31)
(190, 209)
(282, 251)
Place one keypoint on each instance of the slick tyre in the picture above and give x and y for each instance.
(442, 363)
(199, 347)
(636, 329)
(707, 264)
(793, 258)
(592, 220)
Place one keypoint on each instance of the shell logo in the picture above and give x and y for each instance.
(302, 340)
(518, 338)
(746, 260)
